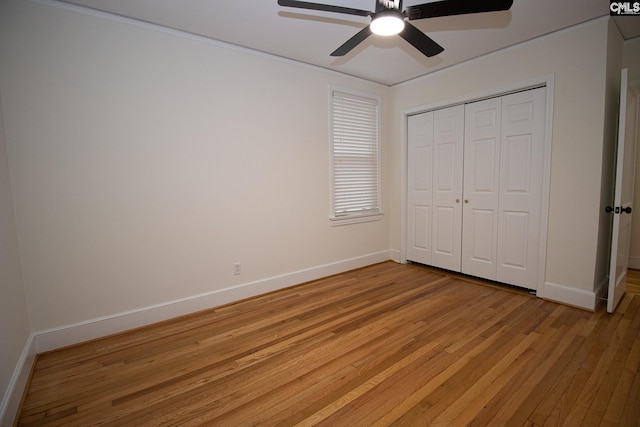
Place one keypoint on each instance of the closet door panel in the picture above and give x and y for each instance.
(479, 241)
(419, 188)
(514, 245)
(481, 188)
(447, 187)
(444, 244)
(521, 176)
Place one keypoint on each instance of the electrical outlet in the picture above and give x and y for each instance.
(236, 268)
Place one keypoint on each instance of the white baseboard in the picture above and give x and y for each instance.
(634, 262)
(13, 395)
(52, 339)
(570, 296)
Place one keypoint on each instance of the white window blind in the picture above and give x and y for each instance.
(355, 155)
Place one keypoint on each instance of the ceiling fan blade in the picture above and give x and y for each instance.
(455, 7)
(420, 40)
(352, 42)
(323, 7)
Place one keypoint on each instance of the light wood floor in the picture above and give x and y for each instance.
(633, 281)
(385, 345)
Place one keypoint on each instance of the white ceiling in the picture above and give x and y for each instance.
(310, 36)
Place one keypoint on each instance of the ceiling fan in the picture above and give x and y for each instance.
(389, 19)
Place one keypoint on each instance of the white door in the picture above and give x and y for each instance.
(521, 177)
(448, 134)
(419, 185)
(481, 187)
(623, 196)
(475, 185)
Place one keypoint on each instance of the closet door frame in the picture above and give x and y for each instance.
(546, 81)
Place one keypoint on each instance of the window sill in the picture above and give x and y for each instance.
(355, 219)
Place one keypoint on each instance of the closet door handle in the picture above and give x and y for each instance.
(466, 200)
(618, 210)
(457, 200)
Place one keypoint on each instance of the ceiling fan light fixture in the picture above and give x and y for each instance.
(388, 18)
(387, 24)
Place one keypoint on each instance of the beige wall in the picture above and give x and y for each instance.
(577, 60)
(145, 163)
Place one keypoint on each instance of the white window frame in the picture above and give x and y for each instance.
(351, 211)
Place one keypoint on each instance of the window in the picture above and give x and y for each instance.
(355, 157)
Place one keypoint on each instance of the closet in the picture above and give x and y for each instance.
(475, 175)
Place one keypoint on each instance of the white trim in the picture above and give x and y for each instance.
(355, 219)
(571, 296)
(13, 395)
(547, 81)
(404, 171)
(546, 181)
(63, 336)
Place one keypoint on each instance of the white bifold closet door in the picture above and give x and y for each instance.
(503, 176)
(521, 182)
(435, 187)
(481, 192)
(448, 151)
(419, 193)
(475, 175)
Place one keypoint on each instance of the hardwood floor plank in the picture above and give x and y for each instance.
(633, 281)
(548, 349)
(464, 409)
(437, 400)
(588, 397)
(433, 334)
(631, 411)
(389, 344)
(622, 344)
(226, 344)
(559, 387)
(615, 410)
(320, 384)
(340, 343)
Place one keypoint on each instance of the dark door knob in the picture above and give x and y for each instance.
(626, 210)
